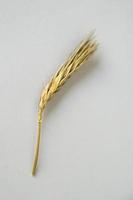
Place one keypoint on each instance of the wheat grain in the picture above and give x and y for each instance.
(79, 56)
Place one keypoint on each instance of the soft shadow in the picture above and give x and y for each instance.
(131, 198)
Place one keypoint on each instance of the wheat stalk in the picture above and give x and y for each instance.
(79, 56)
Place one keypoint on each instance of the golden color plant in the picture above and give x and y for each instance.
(78, 57)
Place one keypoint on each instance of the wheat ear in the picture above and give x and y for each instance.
(79, 56)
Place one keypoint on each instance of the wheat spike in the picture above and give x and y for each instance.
(79, 56)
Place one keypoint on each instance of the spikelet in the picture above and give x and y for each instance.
(79, 56)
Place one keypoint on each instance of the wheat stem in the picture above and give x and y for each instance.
(35, 162)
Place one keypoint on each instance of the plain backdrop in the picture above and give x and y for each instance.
(87, 137)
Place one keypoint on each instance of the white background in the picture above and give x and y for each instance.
(87, 137)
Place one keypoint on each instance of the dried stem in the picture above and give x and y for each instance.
(37, 143)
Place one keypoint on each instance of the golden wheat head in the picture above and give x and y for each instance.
(78, 57)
